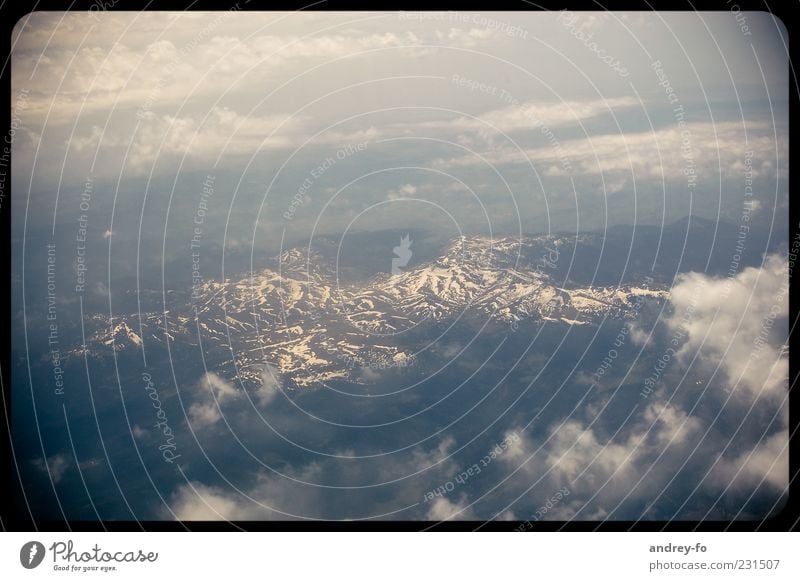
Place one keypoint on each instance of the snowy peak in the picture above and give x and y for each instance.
(297, 318)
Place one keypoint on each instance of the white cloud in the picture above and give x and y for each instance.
(533, 115)
(404, 191)
(139, 61)
(203, 415)
(646, 155)
(606, 470)
(575, 451)
(370, 375)
(221, 388)
(735, 322)
(168, 138)
(55, 465)
(424, 460)
(464, 37)
(196, 501)
(201, 139)
(215, 392)
(443, 509)
(767, 462)
(310, 490)
(448, 350)
(270, 385)
(638, 336)
(270, 497)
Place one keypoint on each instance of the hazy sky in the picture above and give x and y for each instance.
(492, 121)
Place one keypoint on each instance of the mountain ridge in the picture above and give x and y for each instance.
(296, 319)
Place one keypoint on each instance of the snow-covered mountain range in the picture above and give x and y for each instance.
(298, 317)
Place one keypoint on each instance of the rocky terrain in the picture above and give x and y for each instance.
(297, 318)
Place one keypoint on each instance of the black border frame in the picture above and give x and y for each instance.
(11, 12)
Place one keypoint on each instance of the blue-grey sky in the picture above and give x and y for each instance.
(499, 121)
